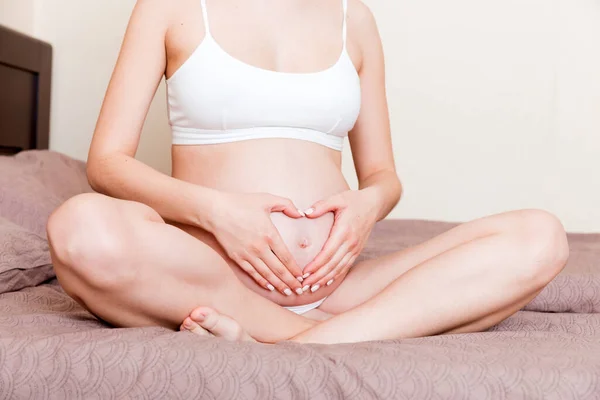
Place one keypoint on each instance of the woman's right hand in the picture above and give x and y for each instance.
(241, 223)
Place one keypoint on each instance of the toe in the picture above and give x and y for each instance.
(192, 326)
(219, 325)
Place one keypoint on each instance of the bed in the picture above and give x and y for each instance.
(51, 348)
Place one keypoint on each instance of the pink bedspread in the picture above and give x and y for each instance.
(50, 348)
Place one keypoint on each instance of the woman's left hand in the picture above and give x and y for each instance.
(355, 213)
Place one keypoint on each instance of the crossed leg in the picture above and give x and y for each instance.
(467, 279)
(122, 262)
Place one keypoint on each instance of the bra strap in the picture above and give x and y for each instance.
(205, 16)
(344, 24)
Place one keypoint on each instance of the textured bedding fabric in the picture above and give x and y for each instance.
(51, 348)
(32, 185)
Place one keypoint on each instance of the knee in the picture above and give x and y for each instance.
(85, 243)
(543, 240)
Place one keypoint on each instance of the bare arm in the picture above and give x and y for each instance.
(112, 168)
(356, 212)
(240, 222)
(370, 139)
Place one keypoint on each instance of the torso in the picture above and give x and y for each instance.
(271, 35)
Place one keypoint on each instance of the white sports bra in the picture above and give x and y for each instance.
(216, 98)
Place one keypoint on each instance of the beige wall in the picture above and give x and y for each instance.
(495, 105)
(18, 15)
(86, 36)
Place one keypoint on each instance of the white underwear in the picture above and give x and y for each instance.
(306, 307)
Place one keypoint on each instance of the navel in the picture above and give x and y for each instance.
(304, 243)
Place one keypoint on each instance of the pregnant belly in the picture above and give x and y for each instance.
(304, 172)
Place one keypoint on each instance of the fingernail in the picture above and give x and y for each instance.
(299, 291)
(270, 287)
(330, 282)
(300, 279)
(188, 324)
(309, 211)
(315, 288)
(306, 275)
(301, 212)
(305, 288)
(288, 292)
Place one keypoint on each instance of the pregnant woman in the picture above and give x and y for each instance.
(256, 234)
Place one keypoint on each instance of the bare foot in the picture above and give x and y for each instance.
(205, 321)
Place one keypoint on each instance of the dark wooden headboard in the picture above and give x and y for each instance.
(25, 79)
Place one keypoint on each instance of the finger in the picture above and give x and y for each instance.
(254, 274)
(285, 206)
(337, 272)
(342, 272)
(282, 252)
(273, 280)
(336, 238)
(273, 263)
(315, 281)
(352, 260)
(322, 207)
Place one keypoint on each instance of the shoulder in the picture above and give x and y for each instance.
(361, 18)
(166, 16)
(363, 32)
(161, 13)
(362, 27)
(154, 7)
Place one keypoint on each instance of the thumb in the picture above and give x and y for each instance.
(285, 206)
(322, 207)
